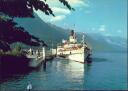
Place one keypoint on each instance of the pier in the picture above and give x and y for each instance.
(38, 56)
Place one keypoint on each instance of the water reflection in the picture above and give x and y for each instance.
(74, 70)
(61, 74)
(73, 73)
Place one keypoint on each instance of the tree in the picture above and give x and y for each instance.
(10, 32)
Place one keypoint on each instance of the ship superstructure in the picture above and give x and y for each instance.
(73, 50)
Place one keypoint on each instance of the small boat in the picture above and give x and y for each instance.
(36, 57)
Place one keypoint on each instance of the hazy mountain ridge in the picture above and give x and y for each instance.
(105, 43)
(44, 31)
(52, 33)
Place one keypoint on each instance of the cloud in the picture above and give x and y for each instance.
(57, 18)
(50, 18)
(73, 3)
(102, 28)
(58, 10)
(78, 3)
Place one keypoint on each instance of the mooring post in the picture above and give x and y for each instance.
(44, 64)
(44, 55)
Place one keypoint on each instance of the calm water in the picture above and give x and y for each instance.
(107, 71)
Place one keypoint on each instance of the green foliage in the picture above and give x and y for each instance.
(15, 52)
(1, 52)
(18, 48)
(66, 4)
(25, 8)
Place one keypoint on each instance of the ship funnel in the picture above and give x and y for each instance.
(72, 37)
(72, 33)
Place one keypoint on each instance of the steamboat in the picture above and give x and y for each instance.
(73, 50)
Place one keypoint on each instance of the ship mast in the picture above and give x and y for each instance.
(83, 41)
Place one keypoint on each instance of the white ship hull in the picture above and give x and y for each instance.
(79, 57)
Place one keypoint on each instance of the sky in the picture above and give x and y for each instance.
(106, 17)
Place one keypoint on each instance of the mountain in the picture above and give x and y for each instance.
(47, 32)
(52, 34)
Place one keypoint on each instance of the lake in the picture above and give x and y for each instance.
(108, 71)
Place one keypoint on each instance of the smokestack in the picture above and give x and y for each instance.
(72, 32)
